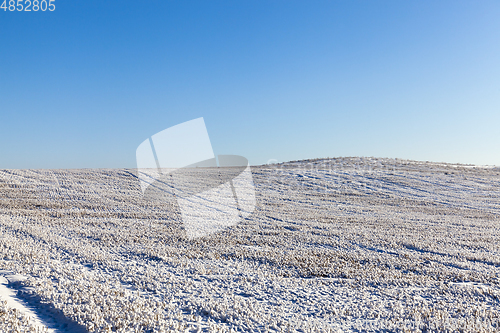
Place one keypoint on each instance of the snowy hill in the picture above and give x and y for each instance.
(345, 244)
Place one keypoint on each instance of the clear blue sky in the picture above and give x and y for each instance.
(83, 86)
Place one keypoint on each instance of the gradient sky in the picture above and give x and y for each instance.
(83, 86)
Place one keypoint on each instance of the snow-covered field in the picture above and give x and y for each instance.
(347, 245)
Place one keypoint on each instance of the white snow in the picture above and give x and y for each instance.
(9, 296)
(347, 244)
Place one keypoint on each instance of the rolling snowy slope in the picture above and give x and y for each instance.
(346, 244)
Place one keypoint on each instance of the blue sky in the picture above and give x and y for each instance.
(83, 86)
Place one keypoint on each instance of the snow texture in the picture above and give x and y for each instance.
(333, 245)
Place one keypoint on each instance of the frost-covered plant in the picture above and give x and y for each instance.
(334, 245)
